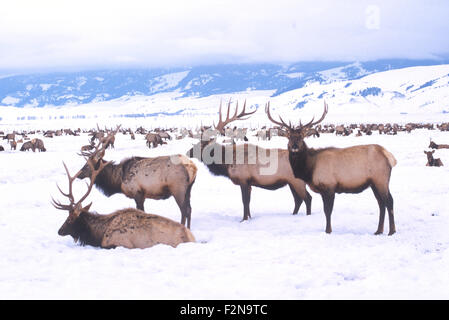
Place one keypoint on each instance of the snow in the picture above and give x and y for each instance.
(167, 81)
(10, 100)
(46, 86)
(275, 255)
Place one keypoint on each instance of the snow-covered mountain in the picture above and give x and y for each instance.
(62, 88)
(355, 92)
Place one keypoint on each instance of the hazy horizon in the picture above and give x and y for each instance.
(84, 35)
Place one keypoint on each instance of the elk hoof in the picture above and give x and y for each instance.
(392, 232)
(378, 232)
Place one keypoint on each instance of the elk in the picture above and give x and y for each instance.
(164, 135)
(431, 162)
(129, 228)
(38, 144)
(341, 170)
(153, 139)
(13, 144)
(1, 148)
(433, 145)
(108, 141)
(88, 147)
(140, 178)
(244, 166)
(27, 146)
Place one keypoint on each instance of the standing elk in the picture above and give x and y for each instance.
(431, 162)
(129, 228)
(27, 146)
(141, 178)
(341, 170)
(154, 139)
(38, 144)
(243, 165)
(164, 135)
(13, 144)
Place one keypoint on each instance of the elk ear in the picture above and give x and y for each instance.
(87, 208)
(433, 151)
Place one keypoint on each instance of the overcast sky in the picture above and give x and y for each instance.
(106, 33)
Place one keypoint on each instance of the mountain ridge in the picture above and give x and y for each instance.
(81, 87)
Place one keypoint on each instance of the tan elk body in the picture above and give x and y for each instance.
(154, 178)
(129, 228)
(341, 170)
(243, 165)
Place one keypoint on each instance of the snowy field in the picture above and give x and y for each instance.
(275, 255)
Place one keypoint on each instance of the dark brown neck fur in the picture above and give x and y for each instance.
(303, 162)
(89, 228)
(110, 179)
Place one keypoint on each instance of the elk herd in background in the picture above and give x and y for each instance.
(327, 171)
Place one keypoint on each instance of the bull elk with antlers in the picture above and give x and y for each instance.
(341, 170)
(141, 178)
(129, 228)
(247, 165)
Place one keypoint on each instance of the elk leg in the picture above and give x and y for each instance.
(246, 197)
(308, 201)
(390, 214)
(299, 197)
(381, 202)
(183, 201)
(187, 207)
(140, 198)
(328, 203)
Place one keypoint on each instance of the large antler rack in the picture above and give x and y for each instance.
(69, 195)
(311, 123)
(241, 116)
(91, 158)
(289, 126)
(281, 123)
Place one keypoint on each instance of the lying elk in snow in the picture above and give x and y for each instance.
(129, 228)
(140, 178)
(433, 145)
(247, 165)
(431, 162)
(341, 170)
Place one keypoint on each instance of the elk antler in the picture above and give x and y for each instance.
(221, 124)
(73, 204)
(311, 123)
(282, 123)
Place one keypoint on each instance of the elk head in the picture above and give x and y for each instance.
(75, 208)
(296, 135)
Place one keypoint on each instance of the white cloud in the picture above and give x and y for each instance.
(53, 33)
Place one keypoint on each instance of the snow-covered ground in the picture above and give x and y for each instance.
(275, 255)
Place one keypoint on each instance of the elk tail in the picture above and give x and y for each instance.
(391, 159)
(190, 167)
